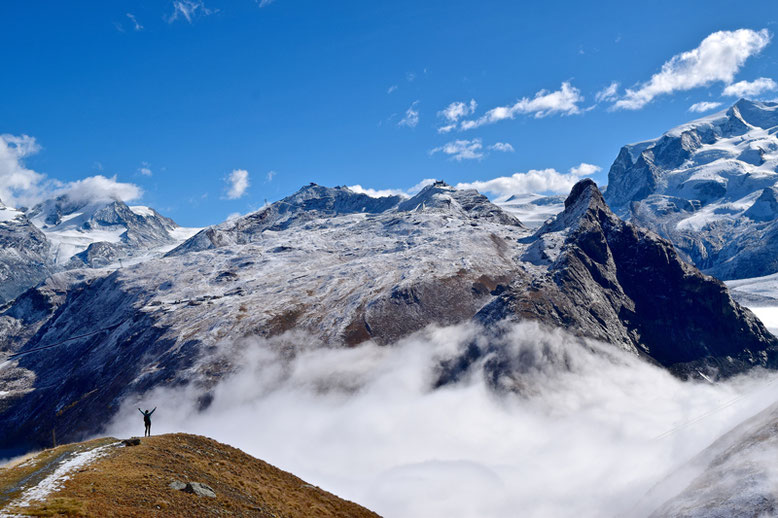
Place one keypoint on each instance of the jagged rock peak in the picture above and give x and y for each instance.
(585, 202)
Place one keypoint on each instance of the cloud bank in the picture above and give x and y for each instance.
(585, 435)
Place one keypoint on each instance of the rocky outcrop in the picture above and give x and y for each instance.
(618, 283)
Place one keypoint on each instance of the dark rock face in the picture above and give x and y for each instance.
(618, 283)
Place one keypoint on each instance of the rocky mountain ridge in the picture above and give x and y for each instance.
(333, 270)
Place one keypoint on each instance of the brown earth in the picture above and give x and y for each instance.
(133, 481)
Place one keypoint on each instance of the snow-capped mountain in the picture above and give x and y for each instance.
(335, 268)
(709, 187)
(99, 233)
(532, 209)
(62, 234)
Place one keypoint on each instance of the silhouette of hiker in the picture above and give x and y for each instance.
(147, 421)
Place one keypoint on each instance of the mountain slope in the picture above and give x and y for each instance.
(106, 477)
(334, 278)
(708, 186)
(24, 254)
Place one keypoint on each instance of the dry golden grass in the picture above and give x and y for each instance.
(133, 481)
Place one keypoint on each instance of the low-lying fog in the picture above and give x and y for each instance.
(592, 431)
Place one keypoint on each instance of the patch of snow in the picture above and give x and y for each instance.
(53, 482)
(141, 210)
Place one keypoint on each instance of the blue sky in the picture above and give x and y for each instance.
(171, 97)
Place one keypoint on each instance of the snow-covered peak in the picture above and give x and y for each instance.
(465, 203)
(9, 213)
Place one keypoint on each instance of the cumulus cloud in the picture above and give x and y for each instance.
(411, 118)
(590, 432)
(21, 186)
(18, 184)
(461, 149)
(563, 101)
(609, 93)
(703, 106)
(502, 146)
(189, 10)
(99, 188)
(750, 88)
(533, 181)
(718, 58)
(237, 183)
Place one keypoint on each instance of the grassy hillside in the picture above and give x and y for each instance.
(105, 477)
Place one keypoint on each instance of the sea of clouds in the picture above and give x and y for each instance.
(580, 429)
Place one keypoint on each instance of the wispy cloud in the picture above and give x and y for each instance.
(270, 175)
(144, 169)
(563, 101)
(502, 146)
(718, 58)
(189, 10)
(703, 106)
(609, 93)
(411, 118)
(136, 25)
(391, 89)
(265, 3)
(455, 111)
(461, 149)
(533, 181)
(750, 88)
(238, 182)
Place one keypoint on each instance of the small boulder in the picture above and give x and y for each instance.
(133, 441)
(199, 489)
(177, 485)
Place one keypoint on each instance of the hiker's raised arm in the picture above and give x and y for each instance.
(139, 410)
(152, 411)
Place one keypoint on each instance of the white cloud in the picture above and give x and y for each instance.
(189, 9)
(461, 149)
(456, 110)
(238, 182)
(391, 89)
(502, 146)
(17, 183)
(533, 181)
(99, 188)
(584, 169)
(750, 88)
(411, 118)
(609, 93)
(378, 193)
(270, 175)
(718, 58)
(137, 26)
(144, 169)
(563, 101)
(265, 3)
(703, 106)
